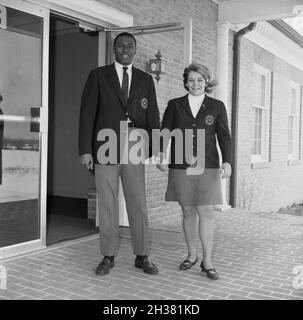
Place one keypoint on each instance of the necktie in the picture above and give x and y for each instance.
(125, 84)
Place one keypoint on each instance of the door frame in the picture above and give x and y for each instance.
(29, 246)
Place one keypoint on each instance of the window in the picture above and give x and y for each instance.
(260, 114)
(294, 121)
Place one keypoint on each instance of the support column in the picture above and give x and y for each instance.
(221, 91)
(188, 41)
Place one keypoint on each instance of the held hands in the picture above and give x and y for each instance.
(87, 161)
(161, 162)
(226, 170)
(162, 165)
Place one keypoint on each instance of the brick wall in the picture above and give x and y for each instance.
(171, 45)
(267, 188)
(280, 183)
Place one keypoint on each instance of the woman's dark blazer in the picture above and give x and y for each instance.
(212, 117)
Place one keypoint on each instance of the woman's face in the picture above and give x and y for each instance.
(195, 83)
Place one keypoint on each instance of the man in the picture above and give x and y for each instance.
(115, 93)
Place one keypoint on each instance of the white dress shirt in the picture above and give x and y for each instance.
(195, 103)
(119, 70)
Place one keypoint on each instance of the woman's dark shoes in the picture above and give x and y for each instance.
(211, 273)
(147, 266)
(104, 266)
(187, 264)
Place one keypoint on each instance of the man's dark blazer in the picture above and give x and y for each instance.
(212, 117)
(102, 106)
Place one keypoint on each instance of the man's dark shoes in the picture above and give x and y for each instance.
(210, 273)
(147, 266)
(104, 266)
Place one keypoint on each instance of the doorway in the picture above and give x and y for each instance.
(73, 53)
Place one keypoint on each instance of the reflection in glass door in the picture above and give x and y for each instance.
(21, 95)
(19, 189)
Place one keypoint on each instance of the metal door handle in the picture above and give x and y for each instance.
(35, 120)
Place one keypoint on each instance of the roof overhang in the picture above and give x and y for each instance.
(91, 11)
(287, 30)
(246, 11)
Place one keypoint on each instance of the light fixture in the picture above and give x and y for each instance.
(157, 66)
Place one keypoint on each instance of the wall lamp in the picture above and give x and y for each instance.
(157, 66)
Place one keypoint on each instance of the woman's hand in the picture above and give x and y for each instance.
(226, 170)
(161, 162)
(162, 167)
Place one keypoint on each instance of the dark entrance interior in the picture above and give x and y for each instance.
(73, 53)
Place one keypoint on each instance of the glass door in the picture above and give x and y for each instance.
(23, 105)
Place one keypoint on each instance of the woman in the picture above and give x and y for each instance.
(197, 194)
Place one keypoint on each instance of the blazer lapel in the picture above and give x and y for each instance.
(115, 82)
(204, 105)
(186, 105)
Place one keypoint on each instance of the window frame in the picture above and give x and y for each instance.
(264, 156)
(296, 130)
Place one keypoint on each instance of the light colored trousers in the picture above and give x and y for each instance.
(133, 184)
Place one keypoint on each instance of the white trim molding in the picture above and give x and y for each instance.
(265, 109)
(222, 60)
(221, 91)
(188, 40)
(25, 7)
(295, 114)
(20, 249)
(272, 40)
(91, 11)
(245, 11)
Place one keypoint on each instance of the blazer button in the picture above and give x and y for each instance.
(194, 124)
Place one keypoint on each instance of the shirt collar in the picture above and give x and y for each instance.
(197, 98)
(120, 66)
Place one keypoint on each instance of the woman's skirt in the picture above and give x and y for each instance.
(194, 190)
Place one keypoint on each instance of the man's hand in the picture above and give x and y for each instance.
(226, 170)
(87, 161)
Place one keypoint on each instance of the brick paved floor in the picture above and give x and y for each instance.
(255, 254)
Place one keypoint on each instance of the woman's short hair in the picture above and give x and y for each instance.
(209, 81)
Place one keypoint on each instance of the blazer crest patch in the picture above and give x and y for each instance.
(144, 103)
(209, 119)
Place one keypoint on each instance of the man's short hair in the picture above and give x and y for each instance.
(124, 34)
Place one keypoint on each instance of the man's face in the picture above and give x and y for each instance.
(125, 50)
